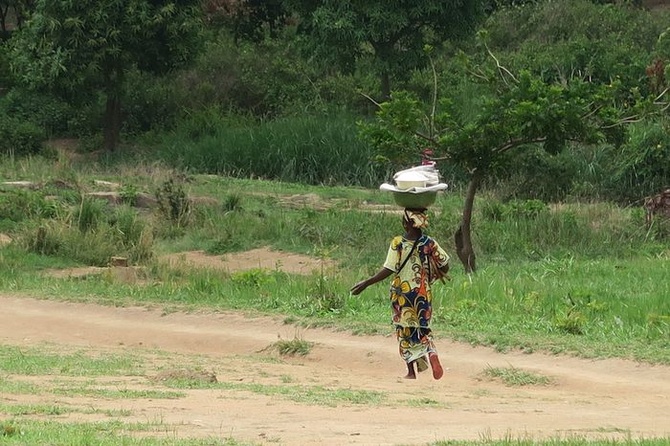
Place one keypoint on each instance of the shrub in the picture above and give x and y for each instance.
(19, 205)
(173, 203)
(149, 103)
(19, 138)
(41, 109)
(641, 166)
(133, 234)
(89, 213)
(89, 238)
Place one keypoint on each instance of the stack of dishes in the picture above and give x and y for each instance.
(416, 187)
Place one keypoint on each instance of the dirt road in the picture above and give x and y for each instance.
(606, 398)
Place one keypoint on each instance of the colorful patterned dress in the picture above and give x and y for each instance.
(411, 297)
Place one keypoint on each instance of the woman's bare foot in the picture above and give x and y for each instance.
(411, 374)
(435, 365)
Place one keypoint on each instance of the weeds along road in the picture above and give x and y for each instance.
(347, 390)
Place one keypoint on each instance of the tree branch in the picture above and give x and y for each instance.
(430, 139)
(626, 120)
(658, 98)
(370, 99)
(434, 107)
(501, 69)
(518, 142)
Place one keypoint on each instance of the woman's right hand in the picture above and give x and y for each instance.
(359, 287)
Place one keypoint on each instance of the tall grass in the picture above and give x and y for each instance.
(594, 230)
(302, 149)
(595, 308)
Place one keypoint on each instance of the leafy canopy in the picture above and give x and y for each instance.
(74, 44)
(393, 33)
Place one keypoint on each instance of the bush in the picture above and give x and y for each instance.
(41, 109)
(20, 205)
(19, 138)
(267, 79)
(173, 203)
(641, 168)
(540, 175)
(150, 103)
(89, 238)
(577, 38)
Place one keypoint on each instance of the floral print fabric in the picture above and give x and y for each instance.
(411, 295)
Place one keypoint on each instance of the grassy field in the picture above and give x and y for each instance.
(580, 279)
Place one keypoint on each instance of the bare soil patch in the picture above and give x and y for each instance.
(260, 258)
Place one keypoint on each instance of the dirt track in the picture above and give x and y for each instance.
(607, 398)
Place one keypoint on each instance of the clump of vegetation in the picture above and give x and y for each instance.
(173, 203)
(8, 429)
(512, 376)
(292, 347)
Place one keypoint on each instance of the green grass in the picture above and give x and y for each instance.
(581, 279)
(40, 361)
(293, 347)
(288, 149)
(512, 376)
(312, 395)
(26, 432)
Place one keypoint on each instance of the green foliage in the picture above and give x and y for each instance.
(513, 210)
(90, 212)
(536, 174)
(84, 232)
(295, 346)
(578, 38)
(515, 111)
(268, 80)
(39, 108)
(85, 50)
(19, 138)
(521, 229)
(306, 149)
(129, 194)
(151, 102)
(640, 167)
(18, 205)
(346, 31)
(173, 203)
(513, 376)
(396, 133)
(77, 38)
(133, 234)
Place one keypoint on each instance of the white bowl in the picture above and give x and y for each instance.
(408, 180)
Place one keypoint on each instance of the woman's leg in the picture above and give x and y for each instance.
(435, 365)
(411, 374)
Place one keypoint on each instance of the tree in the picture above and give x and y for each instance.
(394, 33)
(247, 19)
(515, 111)
(75, 47)
(12, 15)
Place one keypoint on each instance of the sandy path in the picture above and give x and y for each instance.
(610, 398)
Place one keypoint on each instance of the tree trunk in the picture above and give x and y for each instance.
(112, 122)
(385, 79)
(463, 235)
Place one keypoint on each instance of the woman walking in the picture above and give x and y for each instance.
(415, 261)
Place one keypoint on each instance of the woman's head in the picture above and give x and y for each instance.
(415, 218)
